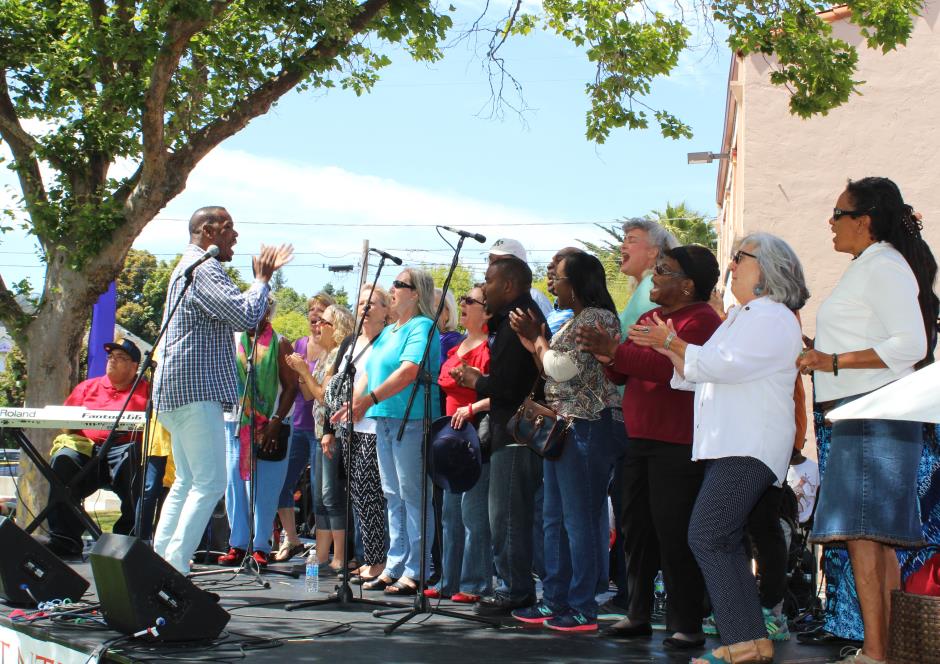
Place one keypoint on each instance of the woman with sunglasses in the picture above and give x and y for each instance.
(382, 393)
(878, 325)
(468, 557)
(743, 379)
(326, 481)
(660, 479)
(575, 519)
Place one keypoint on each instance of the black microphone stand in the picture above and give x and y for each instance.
(344, 595)
(421, 603)
(65, 493)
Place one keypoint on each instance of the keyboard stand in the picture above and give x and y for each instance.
(60, 493)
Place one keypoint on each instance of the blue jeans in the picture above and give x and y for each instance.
(515, 477)
(269, 478)
(329, 488)
(575, 521)
(197, 432)
(401, 468)
(298, 456)
(468, 551)
(153, 490)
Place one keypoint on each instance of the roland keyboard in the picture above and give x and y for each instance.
(68, 417)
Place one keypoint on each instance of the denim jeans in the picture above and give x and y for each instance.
(116, 472)
(198, 439)
(468, 550)
(401, 468)
(515, 477)
(298, 456)
(153, 490)
(269, 478)
(329, 487)
(575, 521)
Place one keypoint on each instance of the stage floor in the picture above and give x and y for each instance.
(329, 633)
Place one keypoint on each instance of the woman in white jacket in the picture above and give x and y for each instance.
(743, 378)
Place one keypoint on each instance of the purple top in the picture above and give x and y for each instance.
(449, 340)
(303, 409)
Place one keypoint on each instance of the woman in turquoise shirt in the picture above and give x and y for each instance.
(382, 393)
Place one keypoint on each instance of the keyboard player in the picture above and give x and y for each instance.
(74, 449)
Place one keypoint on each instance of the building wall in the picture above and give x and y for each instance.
(786, 172)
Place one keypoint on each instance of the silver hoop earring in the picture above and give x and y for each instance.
(758, 290)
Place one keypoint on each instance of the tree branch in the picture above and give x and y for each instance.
(13, 315)
(23, 146)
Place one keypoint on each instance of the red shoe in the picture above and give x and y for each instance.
(465, 598)
(261, 558)
(233, 558)
(432, 593)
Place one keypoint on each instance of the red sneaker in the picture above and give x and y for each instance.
(231, 559)
(261, 558)
(432, 593)
(465, 598)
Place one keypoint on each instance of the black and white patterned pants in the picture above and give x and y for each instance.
(730, 489)
(367, 499)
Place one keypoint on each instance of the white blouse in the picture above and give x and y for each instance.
(743, 379)
(874, 305)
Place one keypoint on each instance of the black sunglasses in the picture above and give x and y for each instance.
(466, 299)
(738, 255)
(838, 213)
(402, 284)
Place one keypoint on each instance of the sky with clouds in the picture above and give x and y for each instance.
(326, 171)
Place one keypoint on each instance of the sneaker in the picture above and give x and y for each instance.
(777, 627)
(464, 598)
(709, 627)
(535, 614)
(433, 593)
(260, 558)
(573, 621)
(610, 611)
(231, 559)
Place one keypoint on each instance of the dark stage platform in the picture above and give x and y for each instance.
(261, 631)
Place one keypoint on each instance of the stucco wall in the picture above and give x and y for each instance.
(789, 172)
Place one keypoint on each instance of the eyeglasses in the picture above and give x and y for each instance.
(738, 255)
(402, 284)
(324, 321)
(663, 271)
(466, 299)
(119, 357)
(838, 213)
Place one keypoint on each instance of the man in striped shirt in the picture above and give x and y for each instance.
(195, 383)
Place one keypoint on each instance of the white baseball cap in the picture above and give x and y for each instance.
(507, 247)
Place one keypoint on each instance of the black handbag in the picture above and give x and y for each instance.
(280, 450)
(540, 428)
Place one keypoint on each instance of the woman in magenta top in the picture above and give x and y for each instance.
(660, 480)
(467, 553)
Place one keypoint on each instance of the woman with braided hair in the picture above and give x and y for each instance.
(877, 326)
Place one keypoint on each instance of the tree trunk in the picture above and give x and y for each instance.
(53, 349)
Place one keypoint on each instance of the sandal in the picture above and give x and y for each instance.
(379, 583)
(760, 651)
(401, 588)
(288, 551)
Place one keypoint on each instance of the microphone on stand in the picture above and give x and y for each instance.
(387, 256)
(476, 236)
(211, 252)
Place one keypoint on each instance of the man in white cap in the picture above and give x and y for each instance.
(504, 247)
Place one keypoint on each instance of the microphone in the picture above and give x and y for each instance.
(476, 236)
(211, 252)
(387, 256)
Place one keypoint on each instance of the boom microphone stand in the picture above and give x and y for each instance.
(421, 603)
(344, 595)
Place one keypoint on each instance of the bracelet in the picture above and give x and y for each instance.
(470, 409)
(375, 399)
(669, 339)
(835, 364)
(276, 417)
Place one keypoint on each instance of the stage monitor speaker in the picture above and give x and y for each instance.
(31, 573)
(138, 590)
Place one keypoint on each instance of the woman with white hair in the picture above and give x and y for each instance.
(743, 379)
(382, 394)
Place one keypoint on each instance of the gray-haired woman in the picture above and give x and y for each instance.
(743, 379)
(382, 394)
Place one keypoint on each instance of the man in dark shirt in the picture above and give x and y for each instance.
(515, 470)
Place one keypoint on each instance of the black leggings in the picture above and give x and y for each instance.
(763, 526)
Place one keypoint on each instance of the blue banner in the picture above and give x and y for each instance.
(102, 331)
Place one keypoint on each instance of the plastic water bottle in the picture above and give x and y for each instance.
(312, 574)
(659, 592)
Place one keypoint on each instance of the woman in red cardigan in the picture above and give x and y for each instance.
(660, 480)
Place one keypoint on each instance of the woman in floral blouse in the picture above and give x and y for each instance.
(575, 512)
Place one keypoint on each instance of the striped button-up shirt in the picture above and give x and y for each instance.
(198, 352)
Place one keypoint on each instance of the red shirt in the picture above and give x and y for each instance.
(99, 394)
(651, 409)
(457, 396)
